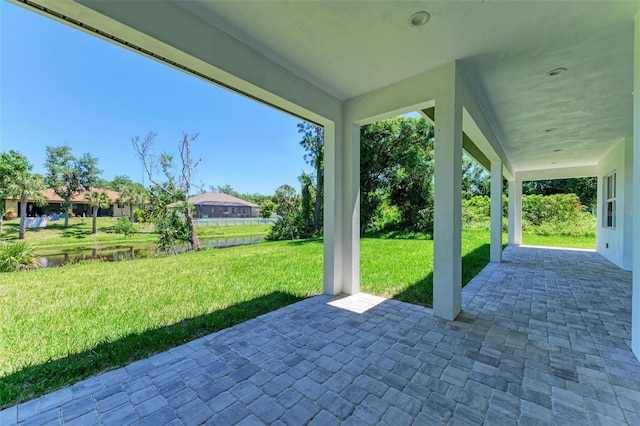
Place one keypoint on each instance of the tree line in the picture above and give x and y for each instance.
(396, 182)
(68, 176)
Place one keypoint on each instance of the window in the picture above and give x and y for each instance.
(609, 195)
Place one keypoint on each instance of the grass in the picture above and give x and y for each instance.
(402, 268)
(79, 233)
(559, 241)
(60, 325)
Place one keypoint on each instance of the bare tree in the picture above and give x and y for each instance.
(177, 188)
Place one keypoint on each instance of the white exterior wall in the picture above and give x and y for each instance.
(11, 204)
(120, 211)
(616, 244)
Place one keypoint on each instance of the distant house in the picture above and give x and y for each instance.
(80, 205)
(219, 205)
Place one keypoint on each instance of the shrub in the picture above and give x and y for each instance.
(551, 208)
(10, 214)
(140, 215)
(424, 220)
(267, 208)
(288, 227)
(124, 226)
(559, 214)
(476, 213)
(386, 217)
(16, 256)
(172, 229)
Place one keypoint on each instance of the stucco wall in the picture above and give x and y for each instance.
(616, 244)
(120, 211)
(11, 204)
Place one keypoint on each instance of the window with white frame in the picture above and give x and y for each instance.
(609, 195)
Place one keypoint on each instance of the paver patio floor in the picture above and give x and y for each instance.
(543, 339)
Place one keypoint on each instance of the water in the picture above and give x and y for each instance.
(128, 251)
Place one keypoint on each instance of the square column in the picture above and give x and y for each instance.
(332, 211)
(515, 212)
(496, 211)
(635, 217)
(447, 232)
(342, 209)
(351, 209)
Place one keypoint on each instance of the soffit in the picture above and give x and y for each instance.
(505, 50)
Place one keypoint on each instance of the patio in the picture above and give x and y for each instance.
(543, 338)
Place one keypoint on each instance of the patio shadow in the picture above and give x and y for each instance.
(35, 380)
(421, 292)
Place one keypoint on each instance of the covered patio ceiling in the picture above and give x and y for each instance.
(506, 50)
(346, 49)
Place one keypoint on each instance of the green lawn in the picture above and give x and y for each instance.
(402, 268)
(79, 232)
(558, 241)
(60, 325)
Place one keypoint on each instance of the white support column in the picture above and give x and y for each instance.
(447, 233)
(332, 210)
(342, 209)
(496, 211)
(635, 301)
(515, 211)
(351, 209)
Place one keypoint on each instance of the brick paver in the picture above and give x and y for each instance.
(543, 338)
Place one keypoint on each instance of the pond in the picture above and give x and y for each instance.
(52, 257)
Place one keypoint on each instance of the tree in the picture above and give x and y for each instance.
(585, 188)
(267, 208)
(132, 195)
(475, 179)
(25, 186)
(396, 174)
(97, 200)
(122, 181)
(177, 188)
(306, 204)
(69, 176)
(124, 226)
(289, 225)
(11, 164)
(313, 143)
(225, 189)
(285, 199)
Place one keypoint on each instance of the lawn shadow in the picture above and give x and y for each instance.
(35, 380)
(304, 242)
(421, 292)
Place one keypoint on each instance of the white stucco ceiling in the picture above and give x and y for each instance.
(505, 49)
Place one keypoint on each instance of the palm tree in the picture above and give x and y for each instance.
(132, 195)
(26, 186)
(97, 200)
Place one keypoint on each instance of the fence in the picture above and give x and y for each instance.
(234, 221)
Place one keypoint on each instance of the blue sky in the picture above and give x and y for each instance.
(59, 86)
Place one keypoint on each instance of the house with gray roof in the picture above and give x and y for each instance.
(220, 205)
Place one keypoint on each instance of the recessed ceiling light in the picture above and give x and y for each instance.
(420, 18)
(556, 71)
(557, 150)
